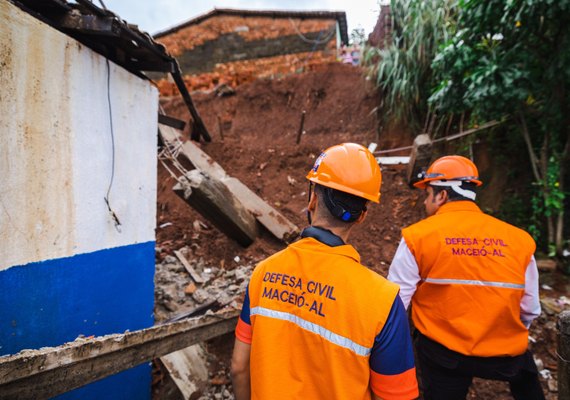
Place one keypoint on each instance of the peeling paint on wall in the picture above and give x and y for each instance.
(75, 129)
(56, 152)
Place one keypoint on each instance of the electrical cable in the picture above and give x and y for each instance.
(107, 201)
(307, 40)
(446, 138)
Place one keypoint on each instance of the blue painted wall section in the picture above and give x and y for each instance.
(52, 302)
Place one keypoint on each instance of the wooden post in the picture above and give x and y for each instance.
(564, 355)
(420, 157)
(220, 128)
(215, 202)
(301, 131)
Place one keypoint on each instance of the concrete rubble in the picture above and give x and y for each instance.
(176, 294)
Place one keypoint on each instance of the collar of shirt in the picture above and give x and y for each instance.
(322, 235)
(311, 244)
(462, 205)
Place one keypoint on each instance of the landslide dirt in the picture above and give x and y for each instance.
(259, 126)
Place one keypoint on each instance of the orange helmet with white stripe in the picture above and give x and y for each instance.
(450, 168)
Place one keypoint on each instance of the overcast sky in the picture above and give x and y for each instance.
(156, 15)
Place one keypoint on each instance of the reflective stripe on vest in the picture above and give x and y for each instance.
(473, 282)
(470, 302)
(314, 328)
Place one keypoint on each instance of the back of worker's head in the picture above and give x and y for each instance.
(346, 177)
(456, 175)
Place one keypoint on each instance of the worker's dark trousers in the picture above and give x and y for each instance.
(447, 375)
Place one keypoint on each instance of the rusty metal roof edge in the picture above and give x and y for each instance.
(340, 16)
(133, 34)
(142, 38)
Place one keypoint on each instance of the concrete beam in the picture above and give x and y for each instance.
(211, 198)
(48, 372)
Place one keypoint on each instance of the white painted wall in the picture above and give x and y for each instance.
(56, 158)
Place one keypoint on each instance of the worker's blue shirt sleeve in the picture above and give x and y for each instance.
(245, 308)
(392, 352)
(244, 331)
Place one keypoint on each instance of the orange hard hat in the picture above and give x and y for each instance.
(450, 168)
(350, 168)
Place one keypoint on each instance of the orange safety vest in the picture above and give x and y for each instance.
(472, 268)
(320, 303)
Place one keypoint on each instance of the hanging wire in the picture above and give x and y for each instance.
(446, 138)
(311, 41)
(107, 201)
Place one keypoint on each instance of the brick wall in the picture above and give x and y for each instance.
(247, 28)
(234, 49)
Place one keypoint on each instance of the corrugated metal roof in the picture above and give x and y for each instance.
(340, 16)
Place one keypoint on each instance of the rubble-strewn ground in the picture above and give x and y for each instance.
(260, 124)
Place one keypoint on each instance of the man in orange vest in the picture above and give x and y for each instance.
(473, 285)
(315, 323)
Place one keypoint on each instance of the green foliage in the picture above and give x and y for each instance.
(506, 55)
(554, 199)
(547, 200)
(512, 58)
(515, 210)
(402, 71)
(358, 36)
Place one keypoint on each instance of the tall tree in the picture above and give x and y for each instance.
(511, 58)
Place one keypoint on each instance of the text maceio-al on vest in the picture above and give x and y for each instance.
(295, 291)
(488, 246)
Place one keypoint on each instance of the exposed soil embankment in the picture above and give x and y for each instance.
(259, 124)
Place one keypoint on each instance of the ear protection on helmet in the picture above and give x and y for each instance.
(339, 209)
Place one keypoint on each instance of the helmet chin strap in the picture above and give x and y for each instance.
(309, 218)
(456, 187)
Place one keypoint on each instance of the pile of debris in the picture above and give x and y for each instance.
(189, 288)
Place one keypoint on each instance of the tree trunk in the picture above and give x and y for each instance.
(531, 153)
(544, 156)
(563, 166)
(539, 169)
(564, 161)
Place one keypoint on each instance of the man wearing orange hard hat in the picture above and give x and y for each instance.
(472, 282)
(315, 323)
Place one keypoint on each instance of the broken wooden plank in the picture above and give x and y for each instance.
(48, 372)
(171, 121)
(195, 275)
(188, 370)
(267, 216)
(419, 158)
(216, 202)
